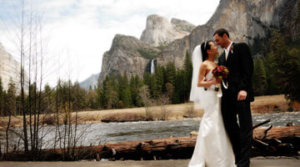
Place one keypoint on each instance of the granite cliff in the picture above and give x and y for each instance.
(133, 56)
(159, 31)
(127, 54)
(9, 69)
(90, 82)
(249, 21)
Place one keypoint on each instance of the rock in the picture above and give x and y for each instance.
(182, 25)
(127, 54)
(160, 31)
(247, 21)
(9, 69)
(91, 81)
(193, 134)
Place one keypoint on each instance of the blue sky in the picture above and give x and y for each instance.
(76, 33)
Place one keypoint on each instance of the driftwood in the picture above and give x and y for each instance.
(266, 141)
(276, 141)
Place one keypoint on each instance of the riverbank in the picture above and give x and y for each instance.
(261, 105)
(277, 141)
(255, 162)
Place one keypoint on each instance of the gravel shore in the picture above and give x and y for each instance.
(255, 162)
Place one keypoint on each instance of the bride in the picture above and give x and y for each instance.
(213, 148)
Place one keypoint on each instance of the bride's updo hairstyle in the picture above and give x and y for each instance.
(204, 47)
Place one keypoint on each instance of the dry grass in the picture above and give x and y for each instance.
(174, 112)
(262, 104)
(265, 104)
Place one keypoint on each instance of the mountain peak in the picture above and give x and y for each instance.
(159, 30)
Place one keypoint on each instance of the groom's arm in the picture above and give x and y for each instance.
(246, 67)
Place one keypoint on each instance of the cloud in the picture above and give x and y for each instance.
(78, 32)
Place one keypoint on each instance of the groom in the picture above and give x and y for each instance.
(237, 95)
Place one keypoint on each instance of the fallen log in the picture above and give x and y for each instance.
(272, 141)
(277, 141)
(277, 133)
(260, 124)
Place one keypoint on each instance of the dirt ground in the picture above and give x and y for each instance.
(255, 162)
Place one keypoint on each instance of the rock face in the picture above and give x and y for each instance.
(247, 21)
(127, 54)
(9, 69)
(160, 31)
(182, 25)
(91, 81)
(134, 56)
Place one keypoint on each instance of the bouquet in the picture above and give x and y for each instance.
(220, 72)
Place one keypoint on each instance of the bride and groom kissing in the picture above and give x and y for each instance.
(225, 132)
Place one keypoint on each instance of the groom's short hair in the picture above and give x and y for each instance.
(221, 32)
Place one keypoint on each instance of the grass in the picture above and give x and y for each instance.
(266, 104)
(261, 105)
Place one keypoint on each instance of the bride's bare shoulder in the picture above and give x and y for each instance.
(204, 65)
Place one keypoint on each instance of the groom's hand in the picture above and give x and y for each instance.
(242, 95)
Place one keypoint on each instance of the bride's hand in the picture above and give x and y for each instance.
(209, 83)
(214, 82)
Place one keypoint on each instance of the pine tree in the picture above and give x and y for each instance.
(272, 88)
(287, 62)
(138, 83)
(159, 77)
(170, 90)
(79, 97)
(11, 99)
(179, 91)
(47, 100)
(188, 73)
(154, 89)
(259, 78)
(100, 97)
(279, 56)
(292, 90)
(147, 79)
(150, 81)
(135, 84)
(109, 92)
(115, 94)
(125, 94)
(133, 90)
(92, 99)
(171, 73)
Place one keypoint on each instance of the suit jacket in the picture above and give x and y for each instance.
(240, 65)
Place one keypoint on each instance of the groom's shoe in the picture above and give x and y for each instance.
(243, 163)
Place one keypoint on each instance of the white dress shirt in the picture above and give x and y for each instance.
(227, 50)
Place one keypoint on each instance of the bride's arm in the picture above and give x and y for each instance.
(201, 82)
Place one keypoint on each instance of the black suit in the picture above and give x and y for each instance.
(240, 66)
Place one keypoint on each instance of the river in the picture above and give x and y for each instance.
(100, 133)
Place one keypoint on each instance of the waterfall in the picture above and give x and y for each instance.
(152, 68)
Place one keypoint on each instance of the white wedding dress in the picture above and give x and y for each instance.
(213, 147)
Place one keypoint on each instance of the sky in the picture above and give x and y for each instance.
(75, 33)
